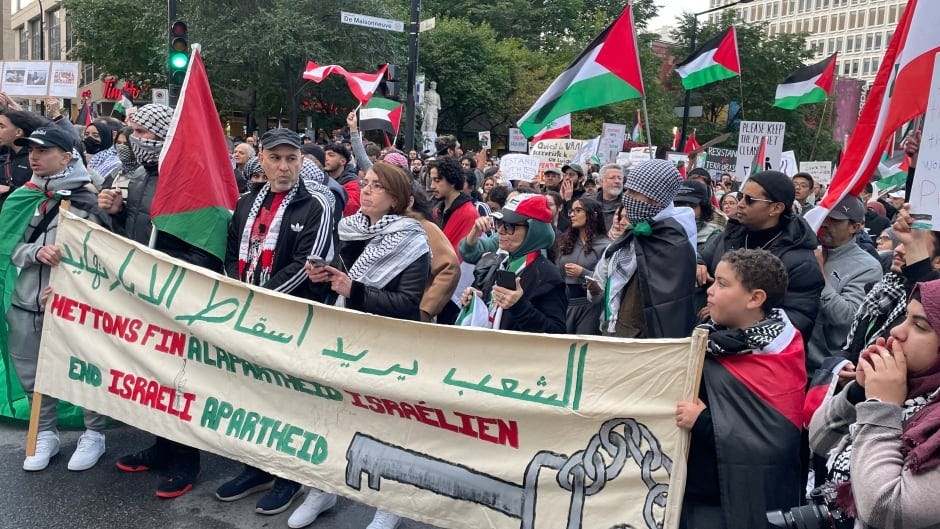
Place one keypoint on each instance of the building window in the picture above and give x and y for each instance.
(874, 64)
(845, 68)
(55, 35)
(869, 41)
(24, 44)
(892, 14)
(849, 45)
(881, 16)
(855, 67)
(878, 40)
(866, 66)
(35, 40)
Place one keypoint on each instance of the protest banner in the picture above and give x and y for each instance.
(40, 78)
(611, 142)
(720, 160)
(820, 171)
(749, 141)
(457, 427)
(925, 189)
(555, 153)
(518, 167)
(484, 138)
(517, 141)
(788, 164)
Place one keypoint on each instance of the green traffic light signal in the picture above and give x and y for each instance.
(178, 61)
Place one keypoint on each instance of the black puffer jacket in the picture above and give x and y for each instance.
(544, 303)
(400, 298)
(795, 247)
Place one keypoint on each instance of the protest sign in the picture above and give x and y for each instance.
(484, 138)
(588, 152)
(555, 153)
(925, 189)
(40, 78)
(820, 171)
(611, 142)
(749, 140)
(788, 165)
(720, 160)
(678, 159)
(642, 154)
(517, 141)
(518, 167)
(429, 138)
(457, 427)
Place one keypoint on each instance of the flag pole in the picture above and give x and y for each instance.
(819, 126)
(646, 124)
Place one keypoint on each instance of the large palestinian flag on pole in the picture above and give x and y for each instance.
(714, 61)
(607, 71)
(196, 193)
(812, 84)
(380, 114)
(898, 95)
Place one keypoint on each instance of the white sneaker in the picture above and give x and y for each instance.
(384, 520)
(47, 446)
(317, 501)
(90, 448)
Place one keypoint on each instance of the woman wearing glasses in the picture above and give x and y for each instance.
(579, 249)
(520, 289)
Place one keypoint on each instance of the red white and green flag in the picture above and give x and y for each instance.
(362, 85)
(812, 84)
(196, 193)
(607, 71)
(691, 143)
(558, 128)
(381, 114)
(898, 95)
(757, 164)
(714, 61)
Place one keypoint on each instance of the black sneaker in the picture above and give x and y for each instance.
(250, 481)
(153, 458)
(178, 481)
(279, 498)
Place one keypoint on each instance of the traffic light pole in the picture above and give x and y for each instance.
(173, 92)
(412, 74)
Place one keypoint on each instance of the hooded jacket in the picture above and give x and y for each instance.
(795, 247)
(349, 179)
(34, 275)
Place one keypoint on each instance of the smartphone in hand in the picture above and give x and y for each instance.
(506, 279)
(316, 261)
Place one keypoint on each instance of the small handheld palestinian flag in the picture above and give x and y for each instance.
(757, 164)
(125, 104)
(715, 61)
(380, 114)
(812, 84)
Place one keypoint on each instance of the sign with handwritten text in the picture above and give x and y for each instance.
(925, 189)
(457, 427)
(750, 136)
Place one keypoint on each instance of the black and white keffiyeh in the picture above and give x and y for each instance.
(888, 296)
(394, 243)
(251, 256)
(724, 342)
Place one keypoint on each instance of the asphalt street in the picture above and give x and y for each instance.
(106, 498)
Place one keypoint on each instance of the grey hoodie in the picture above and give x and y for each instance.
(34, 276)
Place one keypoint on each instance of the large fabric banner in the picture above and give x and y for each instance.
(457, 427)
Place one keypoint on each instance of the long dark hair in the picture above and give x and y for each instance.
(593, 225)
(421, 208)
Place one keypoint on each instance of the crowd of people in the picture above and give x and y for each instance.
(631, 252)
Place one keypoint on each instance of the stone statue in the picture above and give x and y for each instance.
(429, 108)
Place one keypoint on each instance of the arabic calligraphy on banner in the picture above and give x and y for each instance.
(457, 427)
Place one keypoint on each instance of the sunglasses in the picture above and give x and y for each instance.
(506, 227)
(749, 200)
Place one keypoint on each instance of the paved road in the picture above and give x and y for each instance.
(106, 498)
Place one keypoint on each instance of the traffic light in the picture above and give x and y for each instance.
(179, 52)
(389, 86)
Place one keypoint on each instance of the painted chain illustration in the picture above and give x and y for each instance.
(584, 473)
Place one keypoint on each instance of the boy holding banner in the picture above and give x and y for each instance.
(744, 453)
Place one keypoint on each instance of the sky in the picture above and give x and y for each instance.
(670, 9)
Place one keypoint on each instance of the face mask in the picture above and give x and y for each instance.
(638, 211)
(92, 146)
(146, 151)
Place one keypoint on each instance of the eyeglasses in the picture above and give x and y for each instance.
(800, 185)
(374, 184)
(508, 228)
(749, 200)
(883, 238)
(575, 211)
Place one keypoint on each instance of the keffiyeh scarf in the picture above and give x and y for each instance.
(725, 342)
(253, 254)
(886, 297)
(394, 243)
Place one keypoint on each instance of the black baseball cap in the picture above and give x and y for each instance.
(48, 137)
(692, 192)
(280, 136)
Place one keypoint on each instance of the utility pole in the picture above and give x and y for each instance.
(412, 74)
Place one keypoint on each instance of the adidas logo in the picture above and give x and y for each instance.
(297, 227)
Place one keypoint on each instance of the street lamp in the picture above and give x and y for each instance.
(688, 93)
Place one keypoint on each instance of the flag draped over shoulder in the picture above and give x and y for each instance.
(362, 85)
(197, 192)
(381, 114)
(898, 95)
(607, 71)
(558, 128)
(714, 61)
(812, 84)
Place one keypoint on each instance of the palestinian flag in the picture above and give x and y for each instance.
(892, 178)
(125, 104)
(381, 114)
(757, 164)
(607, 71)
(821, 386)
(905, 72)
(812, 84)
(362, 85)
(637, 134)
(85, 115)
(691, 144)
(558, 128)
(715, 61)
(196, 195)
